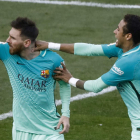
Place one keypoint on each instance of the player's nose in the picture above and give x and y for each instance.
(115, 31)
(8, 39)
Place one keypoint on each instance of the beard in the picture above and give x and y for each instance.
(15, 49)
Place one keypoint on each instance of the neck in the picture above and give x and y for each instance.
(129, 46)
(28, 53)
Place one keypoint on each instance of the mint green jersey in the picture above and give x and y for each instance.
(125, 74)
(34, 108)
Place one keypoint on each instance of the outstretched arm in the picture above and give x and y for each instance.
(76, 48)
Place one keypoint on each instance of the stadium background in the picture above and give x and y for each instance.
(101, 117)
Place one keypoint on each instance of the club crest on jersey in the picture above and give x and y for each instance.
(45, 73)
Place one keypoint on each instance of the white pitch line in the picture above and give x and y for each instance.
(78, 3)
(74, 98)
(6, 115)
(87, 95)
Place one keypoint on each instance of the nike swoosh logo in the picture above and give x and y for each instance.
(20, 63)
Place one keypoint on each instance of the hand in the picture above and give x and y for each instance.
(66, 125)
(40, 45)
(62, 74)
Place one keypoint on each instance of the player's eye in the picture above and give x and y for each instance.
(12, 38)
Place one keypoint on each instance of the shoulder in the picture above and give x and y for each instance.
(4, 44)
(110, 46)
(127, 64)
(4, 50)
(111, 50)
(52, 56)
(132, 58)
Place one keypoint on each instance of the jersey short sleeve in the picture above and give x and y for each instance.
(4, 50)
(56, 58)
(110, 50)
(121, 71)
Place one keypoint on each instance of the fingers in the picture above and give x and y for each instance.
(64, 67)
(58, 70)
(65, 129)
(40, 45)
(62, 132)
(59, 124)
(37, 45)
(36, 49)
(57, 77)
(65, 121)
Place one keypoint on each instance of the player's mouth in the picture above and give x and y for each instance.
(10, 46)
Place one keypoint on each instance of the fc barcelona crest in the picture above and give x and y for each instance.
(45, 73)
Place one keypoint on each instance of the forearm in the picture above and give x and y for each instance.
(68, 48)
(78, 49)
(80, 84)
(95, 85)
(90, 85)
(65, 94)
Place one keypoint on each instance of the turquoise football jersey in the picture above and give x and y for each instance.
(125, 74)
(34, 108)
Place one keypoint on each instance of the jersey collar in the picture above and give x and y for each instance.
(43, 53)
(137, 48)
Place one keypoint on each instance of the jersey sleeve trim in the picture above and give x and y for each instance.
(95, 85)
(88, 49)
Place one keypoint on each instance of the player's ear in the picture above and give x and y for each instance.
(128, 36)
(27, 43)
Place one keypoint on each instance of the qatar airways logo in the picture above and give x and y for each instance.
(33, 84)
(117, 70)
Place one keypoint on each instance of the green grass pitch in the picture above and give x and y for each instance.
(97, 118)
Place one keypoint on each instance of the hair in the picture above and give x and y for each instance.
(27, 27)
(132, 26)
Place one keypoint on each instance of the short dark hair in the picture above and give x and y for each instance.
(132, 26)
(27, 27)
